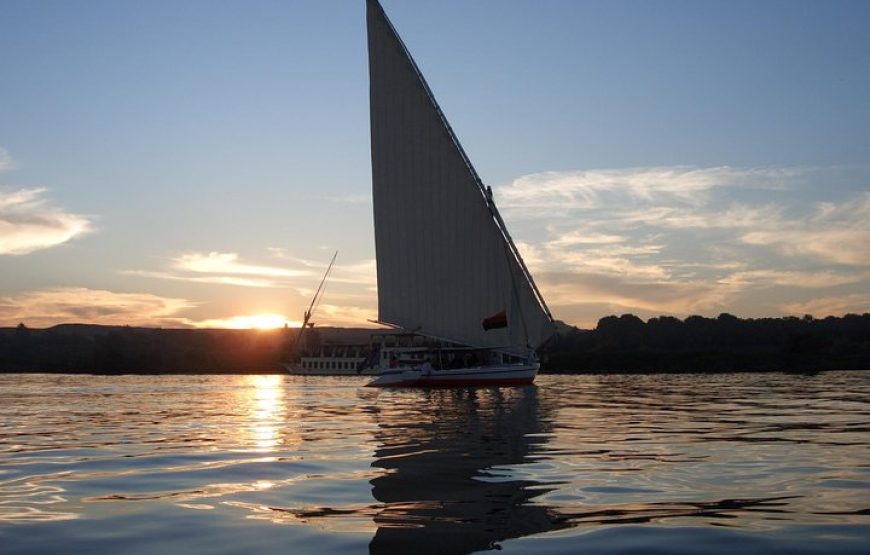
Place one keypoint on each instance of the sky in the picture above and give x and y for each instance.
(196, 163)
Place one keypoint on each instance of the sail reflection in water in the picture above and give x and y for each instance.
(447, 488)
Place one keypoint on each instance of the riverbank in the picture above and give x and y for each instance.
(618, 345)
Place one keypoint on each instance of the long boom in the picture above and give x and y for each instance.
(314, 302)
(317, 293)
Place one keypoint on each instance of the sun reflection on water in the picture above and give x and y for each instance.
(267, 412)
(765, 455)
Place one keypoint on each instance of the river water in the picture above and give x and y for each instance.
(749, 463)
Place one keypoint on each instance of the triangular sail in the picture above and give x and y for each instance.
(445, 261)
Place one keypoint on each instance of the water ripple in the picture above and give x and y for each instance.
(267, 460)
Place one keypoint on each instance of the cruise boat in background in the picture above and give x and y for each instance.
(334, 355)
(330, 360)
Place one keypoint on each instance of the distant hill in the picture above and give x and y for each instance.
(123, 349)
(115, 349)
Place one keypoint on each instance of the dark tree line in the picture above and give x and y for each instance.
(618, 344)
(116, 350)
(722, 344)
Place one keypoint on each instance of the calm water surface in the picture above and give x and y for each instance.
(750, 463)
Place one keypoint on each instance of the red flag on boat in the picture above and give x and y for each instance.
(497, 320)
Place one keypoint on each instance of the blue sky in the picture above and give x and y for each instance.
(190, 163)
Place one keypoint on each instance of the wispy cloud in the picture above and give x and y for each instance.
(349, 294)
(358, 273)
(803, 280)
(560, 255)
(5, 160)
(94, 306)
(585, 237)
(227, 263)
(361, 272)
(587, 189)
(838, 233)
(225, 268)
(49, 307)
(681, 239)
(735, 216)
(28, 222)
(219, 280)
(855, 303)
(679, 297)
(345, 315)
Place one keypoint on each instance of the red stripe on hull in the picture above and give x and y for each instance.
(469, 382)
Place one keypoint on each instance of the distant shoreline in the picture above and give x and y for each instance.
(618, 345)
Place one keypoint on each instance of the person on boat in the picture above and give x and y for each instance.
(394, 362)
(471, 361)
(426, 367)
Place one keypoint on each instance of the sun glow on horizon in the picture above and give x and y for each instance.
(253, 321)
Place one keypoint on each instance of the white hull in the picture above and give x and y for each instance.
(483, 376)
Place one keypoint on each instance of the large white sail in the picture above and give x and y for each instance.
(445, 263)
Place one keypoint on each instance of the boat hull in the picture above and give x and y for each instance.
(485, 376)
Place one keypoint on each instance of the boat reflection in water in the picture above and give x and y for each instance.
(448, 485)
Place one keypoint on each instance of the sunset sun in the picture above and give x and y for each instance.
(265, 321)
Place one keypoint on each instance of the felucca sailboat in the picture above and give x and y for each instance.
(447, 267)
